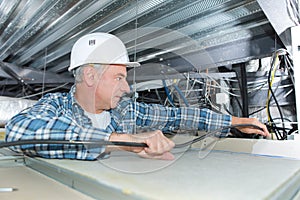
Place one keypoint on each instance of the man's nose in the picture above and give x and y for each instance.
(125, 87)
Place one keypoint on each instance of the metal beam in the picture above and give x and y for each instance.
(227, 54)
(278, 14)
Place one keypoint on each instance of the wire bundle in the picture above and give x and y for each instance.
(282, 62)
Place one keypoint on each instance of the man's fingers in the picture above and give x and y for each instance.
(156, 141)
(159, 146)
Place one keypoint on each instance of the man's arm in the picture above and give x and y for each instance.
(46, 120)
(167, 119)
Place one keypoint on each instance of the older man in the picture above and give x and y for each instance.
(95, 110)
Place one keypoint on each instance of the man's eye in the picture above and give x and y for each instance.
(119, 78)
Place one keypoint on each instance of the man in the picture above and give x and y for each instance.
(93, 110)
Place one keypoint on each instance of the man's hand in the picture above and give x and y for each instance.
(159, 146)
(249, 129)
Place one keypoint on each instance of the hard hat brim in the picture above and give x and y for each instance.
(131, 64)
(127, 64)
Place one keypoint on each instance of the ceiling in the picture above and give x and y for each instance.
(36, 36)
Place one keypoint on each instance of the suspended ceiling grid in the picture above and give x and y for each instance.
(36, 36)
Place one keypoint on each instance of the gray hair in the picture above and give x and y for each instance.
(78, 73)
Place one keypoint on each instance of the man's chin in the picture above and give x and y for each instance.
(115, 103)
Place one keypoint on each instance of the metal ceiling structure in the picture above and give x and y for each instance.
(36, 36)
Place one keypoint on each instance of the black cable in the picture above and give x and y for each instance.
(72, 142)
(273, 125)
(213, 133)
(256, 111)
(97, 143)
(227, 111)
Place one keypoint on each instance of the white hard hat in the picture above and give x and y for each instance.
(99, 48)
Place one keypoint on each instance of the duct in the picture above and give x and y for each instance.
(218, 18)
(57, 32)
(41, 33)
(11, 106)
(104, 16)
(31, 76)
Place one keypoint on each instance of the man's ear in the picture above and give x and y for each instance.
(89, 74)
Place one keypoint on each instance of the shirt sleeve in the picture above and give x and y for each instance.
(47, 120)
(169, 118)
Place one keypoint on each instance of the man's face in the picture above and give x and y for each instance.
(111, 87)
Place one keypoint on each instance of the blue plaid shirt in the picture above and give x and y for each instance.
(58, 116)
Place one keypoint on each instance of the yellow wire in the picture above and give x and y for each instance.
(271, 83)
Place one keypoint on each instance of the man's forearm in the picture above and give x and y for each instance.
(123, 138)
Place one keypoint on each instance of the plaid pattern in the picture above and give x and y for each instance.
(57, 116)
(130, 116)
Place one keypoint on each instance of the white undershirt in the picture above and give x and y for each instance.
(101, 120)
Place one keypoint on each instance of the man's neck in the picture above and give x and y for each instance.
(85, 100)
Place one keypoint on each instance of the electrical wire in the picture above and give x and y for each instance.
(280, 61)
(181, 95)
(97, 143)
(168, 93)
(271, 94)
(270, 81)
(225, 89)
